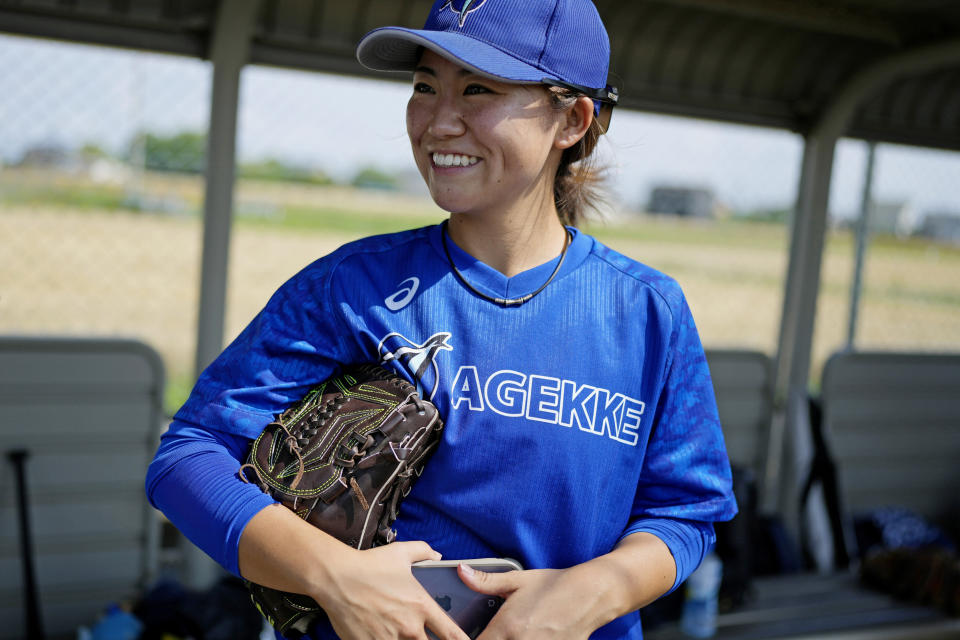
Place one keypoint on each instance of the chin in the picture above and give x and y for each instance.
(453, 202)
(448, 207)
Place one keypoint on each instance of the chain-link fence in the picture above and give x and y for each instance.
(910, 299)
(706, 203)
(102, 153)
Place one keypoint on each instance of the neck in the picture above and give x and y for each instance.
(510, 241)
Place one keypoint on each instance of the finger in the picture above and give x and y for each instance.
(443, 625)
(416, 551)
(498, 584)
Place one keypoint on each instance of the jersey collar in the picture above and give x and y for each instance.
(494, 283)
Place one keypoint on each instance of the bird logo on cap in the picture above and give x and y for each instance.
(462, 8)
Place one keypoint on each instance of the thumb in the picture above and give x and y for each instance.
(495, 584)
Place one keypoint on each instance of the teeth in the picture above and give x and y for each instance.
(454, 160)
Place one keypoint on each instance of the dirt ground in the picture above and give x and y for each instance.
(106, 273)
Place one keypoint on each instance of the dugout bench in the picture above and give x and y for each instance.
(891, 423)
(88, 413)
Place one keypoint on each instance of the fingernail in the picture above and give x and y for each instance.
(467, 569)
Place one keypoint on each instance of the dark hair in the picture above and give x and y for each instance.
(577, 186)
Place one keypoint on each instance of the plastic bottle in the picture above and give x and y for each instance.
(116, 624)
(699, 619)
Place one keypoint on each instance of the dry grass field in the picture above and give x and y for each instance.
(89, 270)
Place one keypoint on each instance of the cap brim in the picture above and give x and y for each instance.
(395, 49)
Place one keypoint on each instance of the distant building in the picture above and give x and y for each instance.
(893, 218)
(107, 170)
(50, 156)
(691, 202)
(99, 167)
(941, 226)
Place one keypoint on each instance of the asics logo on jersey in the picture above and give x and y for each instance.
(419, 360)
(463, 8)
(407, 289)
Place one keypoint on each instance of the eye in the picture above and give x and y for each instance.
(474, 89)
(422, 87)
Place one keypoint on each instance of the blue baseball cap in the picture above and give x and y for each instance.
(555, 42)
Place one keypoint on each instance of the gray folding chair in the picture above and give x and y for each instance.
(87, 412)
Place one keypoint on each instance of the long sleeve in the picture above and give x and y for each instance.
(689, 541)
(193, 480)
(295, 342)
(686, 482)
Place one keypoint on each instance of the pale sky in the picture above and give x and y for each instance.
(52, 92)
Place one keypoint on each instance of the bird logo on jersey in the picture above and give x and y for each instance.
(462, 8)
(419, 360)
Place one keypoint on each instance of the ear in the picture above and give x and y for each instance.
(575, 124)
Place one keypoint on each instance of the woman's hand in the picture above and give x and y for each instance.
(373, 595)
(540, 604)
(572, 603)
(369, 594)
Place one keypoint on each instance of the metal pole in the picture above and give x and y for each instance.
(862, 233)
(790, 428)
(229, 52)
(789, 444)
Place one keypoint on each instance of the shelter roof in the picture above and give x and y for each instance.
(767, 62)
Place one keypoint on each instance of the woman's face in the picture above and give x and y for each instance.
(481, 144)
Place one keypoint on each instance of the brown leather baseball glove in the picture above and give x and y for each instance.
(342, 459)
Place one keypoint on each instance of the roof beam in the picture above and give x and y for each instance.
(832, 20)
(835, 118)
(67, 26)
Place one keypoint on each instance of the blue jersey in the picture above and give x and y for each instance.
(571, 421)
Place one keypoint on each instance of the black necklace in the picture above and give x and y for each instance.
(507, 302)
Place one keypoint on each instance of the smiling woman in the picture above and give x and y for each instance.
(581, 433)
(490, 150)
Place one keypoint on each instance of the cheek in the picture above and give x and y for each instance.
(499, 137)
(415, 128)
(525, 150)
(415, 121)
(524, 140)
(409, 121)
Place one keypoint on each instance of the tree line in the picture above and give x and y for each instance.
(186, 152)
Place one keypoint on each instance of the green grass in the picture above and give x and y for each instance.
(86, 197)
(176, 391)
(339, 220)
(668, 230)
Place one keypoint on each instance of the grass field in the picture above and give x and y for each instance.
(94, 267)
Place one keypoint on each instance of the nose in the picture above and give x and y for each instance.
(446, 118)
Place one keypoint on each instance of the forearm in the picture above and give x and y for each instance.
(366, 594)
(638, 571)
(280, 550)
(573, 603)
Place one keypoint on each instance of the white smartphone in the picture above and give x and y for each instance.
(472, 611)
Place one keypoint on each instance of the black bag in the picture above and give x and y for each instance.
(736, 541)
